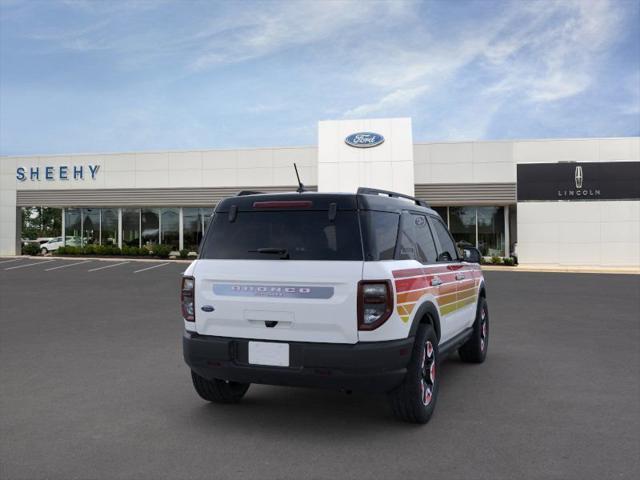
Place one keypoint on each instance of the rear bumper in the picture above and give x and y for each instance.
(370, 367)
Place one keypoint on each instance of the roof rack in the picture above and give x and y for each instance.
(243, 193)
(376, 191)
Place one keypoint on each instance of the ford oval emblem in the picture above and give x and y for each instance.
(364, 139)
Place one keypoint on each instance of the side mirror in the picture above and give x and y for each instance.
(444, 257)
(471, 255)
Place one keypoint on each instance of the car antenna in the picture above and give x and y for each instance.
(300, 185)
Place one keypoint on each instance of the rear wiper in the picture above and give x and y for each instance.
(284, 254)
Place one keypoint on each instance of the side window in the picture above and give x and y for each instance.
(416, 242)
(380, 233)
(406, 239)
(424, 241)
(447, 250)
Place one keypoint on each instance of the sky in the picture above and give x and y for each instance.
(89, 76)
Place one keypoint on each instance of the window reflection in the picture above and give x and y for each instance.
(131, 227)
(170, 227)
(90, 226)
(191, 228)
(462, 224)
(442, 211)
(72, 226)
(150, 226)
(491, 230)
(109, 226)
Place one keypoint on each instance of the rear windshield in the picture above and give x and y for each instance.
(275, 235)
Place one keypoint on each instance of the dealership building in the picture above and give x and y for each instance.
(560, 202)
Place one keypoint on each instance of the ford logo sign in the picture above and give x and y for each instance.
(364, 139)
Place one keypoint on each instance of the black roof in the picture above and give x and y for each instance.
(321, 201)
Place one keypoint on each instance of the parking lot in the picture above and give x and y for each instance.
(93, 385)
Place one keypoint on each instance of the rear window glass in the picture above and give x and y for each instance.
(380, 232)
(273, 235)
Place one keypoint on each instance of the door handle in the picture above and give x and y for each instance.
(435, 281)
(459, 276)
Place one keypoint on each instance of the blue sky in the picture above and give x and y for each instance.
(105, 76)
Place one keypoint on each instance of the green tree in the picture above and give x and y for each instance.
(41, 222)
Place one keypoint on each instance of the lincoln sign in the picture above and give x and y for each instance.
(577, 181)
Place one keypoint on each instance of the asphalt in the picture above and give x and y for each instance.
(93, 386)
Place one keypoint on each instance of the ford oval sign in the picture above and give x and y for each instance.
(364, 139)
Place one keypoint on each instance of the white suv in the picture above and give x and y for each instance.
(55, 243)
(361, 291)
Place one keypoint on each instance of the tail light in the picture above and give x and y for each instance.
(375, 303)
(187, 299)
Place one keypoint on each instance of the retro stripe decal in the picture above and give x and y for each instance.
(412, 283)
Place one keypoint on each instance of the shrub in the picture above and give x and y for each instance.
(113, 250)
(496, 260)
(508, 261)
(162, 251)
(69, 250)
(31, 249)
(89, 250)
(184, 253)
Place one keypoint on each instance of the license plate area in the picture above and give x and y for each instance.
(269, 353)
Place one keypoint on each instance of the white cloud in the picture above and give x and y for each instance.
(396, 99)
(283, 25)
(537, 51)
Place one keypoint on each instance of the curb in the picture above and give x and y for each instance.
(487, 268)
(99, 259)
(559, 269)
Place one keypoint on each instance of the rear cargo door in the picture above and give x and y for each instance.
(301, 301)
(283, 271)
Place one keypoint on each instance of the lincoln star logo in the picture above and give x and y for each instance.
(364, 140)
(580, 191)
(579, 177)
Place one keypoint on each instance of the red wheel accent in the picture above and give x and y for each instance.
(428, 369)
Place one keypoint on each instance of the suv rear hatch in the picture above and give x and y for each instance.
(281, 267)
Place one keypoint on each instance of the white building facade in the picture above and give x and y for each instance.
(565, 202)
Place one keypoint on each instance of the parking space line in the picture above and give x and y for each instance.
(30, 264)
(65, 266)
(149, 268)
(9, 261)
(108, 266)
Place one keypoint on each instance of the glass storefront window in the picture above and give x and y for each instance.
(191, 228)
(72, 227)
(442, 211)
(150, 226)
(41, 222)
(206, 216)
(109, 226)
(170, 227)
(131, 227)
(462, 224)
(491, 230)
(90, 226)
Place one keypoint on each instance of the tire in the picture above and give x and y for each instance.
(219, 391)
(415, 399)
(475, 349)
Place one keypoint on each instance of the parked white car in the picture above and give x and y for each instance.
(57, 242)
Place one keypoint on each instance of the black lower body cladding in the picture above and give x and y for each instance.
(367, 367)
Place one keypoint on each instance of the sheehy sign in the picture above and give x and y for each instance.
(60, 172)
(576, 181)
